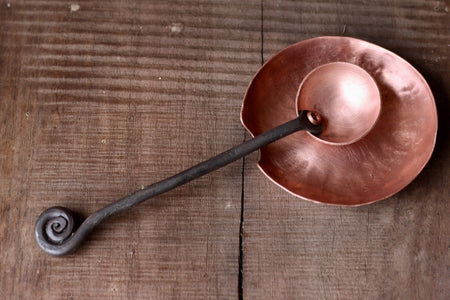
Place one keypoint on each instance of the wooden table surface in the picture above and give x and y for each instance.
(98, 98)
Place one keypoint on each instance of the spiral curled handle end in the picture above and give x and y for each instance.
(55, 231)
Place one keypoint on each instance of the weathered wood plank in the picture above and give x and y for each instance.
(395, 249)
(100, 98)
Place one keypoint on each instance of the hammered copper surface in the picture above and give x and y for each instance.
(377, 166)
(345, 96)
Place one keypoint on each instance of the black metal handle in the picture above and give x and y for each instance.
(55, 231)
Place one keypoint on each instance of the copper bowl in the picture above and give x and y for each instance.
(384, 161)
(344, 97)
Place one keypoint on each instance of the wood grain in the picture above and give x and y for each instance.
(395, 249)
(98, 98)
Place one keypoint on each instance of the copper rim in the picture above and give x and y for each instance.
(377, 166)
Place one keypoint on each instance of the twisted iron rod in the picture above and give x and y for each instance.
(55, 231)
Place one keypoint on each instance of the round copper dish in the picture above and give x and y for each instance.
(373, 168)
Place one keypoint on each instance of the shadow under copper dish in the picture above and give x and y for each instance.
(384, 161)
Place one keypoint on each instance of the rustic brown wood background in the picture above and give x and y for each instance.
(98, 98)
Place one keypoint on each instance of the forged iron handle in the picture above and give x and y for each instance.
(55, 228)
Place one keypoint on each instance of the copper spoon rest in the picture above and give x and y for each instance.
(286, 145)
(375, 167)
